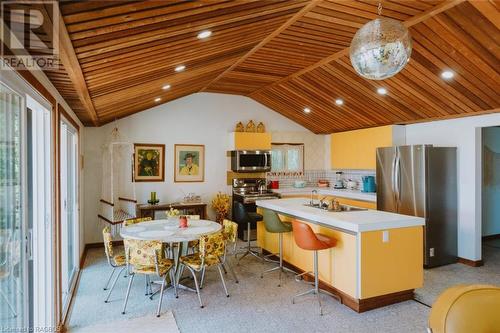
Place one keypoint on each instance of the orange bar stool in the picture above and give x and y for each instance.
(308, 240)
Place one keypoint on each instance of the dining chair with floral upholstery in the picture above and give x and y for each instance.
(148, 258)
(211, 251)
(230, 230)
(136, 220)
(115, 260)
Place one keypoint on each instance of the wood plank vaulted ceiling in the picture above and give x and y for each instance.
(117, 55)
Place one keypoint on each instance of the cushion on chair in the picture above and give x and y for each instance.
(120, 259)
(164, 265)
(255, 217)
(466, 309)
(194, 261)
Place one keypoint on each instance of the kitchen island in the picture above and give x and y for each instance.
(378, 259)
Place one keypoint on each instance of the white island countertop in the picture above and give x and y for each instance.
(353, 221)
(341, 193)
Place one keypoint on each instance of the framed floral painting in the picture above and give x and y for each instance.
(149, 162)
(189, 163)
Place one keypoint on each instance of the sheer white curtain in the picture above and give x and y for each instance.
(12, 270)
(287, 157)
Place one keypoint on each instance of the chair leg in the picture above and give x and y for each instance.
(173, 281)
(131, 279)
(161, 295)
(113, 285)
(8, 304)
(222, 279)
(146, 293)
(202, 277)
(196, 285)
(109, 279)
(231, 270)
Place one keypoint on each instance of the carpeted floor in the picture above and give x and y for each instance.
(257, 305)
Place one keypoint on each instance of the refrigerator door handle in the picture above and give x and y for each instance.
(393, 179)
(398, 179)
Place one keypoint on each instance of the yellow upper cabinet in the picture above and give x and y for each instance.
(250, 141)
(356, 149)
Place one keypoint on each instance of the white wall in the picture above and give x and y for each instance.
(465, 134)
(203, 118)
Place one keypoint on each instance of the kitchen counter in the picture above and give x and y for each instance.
(353, 221)
(377, 260)
(342, 193)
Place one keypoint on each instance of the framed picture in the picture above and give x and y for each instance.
(149, 162)
(189, 163)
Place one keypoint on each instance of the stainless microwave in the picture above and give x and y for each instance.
(251, 160)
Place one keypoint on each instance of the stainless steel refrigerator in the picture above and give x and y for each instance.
(421, 180)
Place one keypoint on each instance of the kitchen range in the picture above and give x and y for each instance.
(248, 191)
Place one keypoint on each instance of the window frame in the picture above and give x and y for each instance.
(287, 171)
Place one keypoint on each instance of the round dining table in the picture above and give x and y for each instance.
(168, 231)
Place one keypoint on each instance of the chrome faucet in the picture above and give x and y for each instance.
(312, 198)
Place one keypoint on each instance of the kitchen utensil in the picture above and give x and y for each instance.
(323, 183)
(339, 182)
(368, 184)
(352, 184)
(299, 184)
(275, 184)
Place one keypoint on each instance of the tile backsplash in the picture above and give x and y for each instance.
(312, 176)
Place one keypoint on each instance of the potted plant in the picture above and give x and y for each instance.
(221, 206)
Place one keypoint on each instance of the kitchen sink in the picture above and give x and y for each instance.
(343, 208)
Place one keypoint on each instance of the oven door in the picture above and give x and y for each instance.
(251, 160)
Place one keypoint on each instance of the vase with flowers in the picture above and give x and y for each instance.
(221, 206)
(173, 214)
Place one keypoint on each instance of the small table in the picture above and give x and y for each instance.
(168, 231)
(188, 208)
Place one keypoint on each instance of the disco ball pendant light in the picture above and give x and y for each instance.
(381, 48)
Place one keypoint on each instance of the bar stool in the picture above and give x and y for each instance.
(308, 240)
(241, 216)
(273, 224)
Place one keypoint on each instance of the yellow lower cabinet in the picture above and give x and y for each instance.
(337, 266)
(391, 263)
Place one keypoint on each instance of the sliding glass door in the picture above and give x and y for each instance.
(27, 253)
(13, 272)
(69, 208)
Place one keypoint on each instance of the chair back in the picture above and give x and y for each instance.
(240, 214)
(136, 220)
(466, 308)
(192, 217)
(304, 236)
(143, 253)
(272, 222)
(213, 245)
(230, 230)
(108, 242)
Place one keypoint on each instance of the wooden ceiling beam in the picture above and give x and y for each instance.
(70, 61)
(334, 57)
(275, 33)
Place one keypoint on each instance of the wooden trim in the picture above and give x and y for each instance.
(358, 305)
(127, 199)
(160, 145)
(490, 237)
(105, 219)
(408, 23)
(70, 120)
(107, 202)
(275, 33)
(472, 263)
(74, 71)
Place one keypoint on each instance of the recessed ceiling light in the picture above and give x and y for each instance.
(339, 101)
(157, 99)
(204, 34)
(180, 68)
(166, 87)
(382, 91)
(447, 75)
(307, 110)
